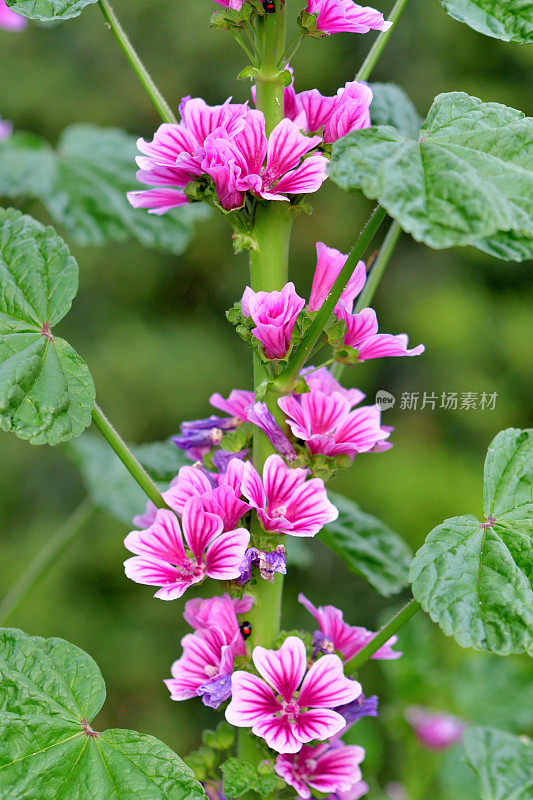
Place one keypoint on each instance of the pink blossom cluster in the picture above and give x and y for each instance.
(9, 21)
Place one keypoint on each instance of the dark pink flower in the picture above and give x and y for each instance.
(434, 729)
(10, 21)
(326, 768)
(274, 314)
(221, 612)
(346, 639)
(285, 501)
(329, 263)
(347, 111)
(338, 16)
(289, 706)
(162, 559)
(321, 380)
(235, 404)
(363, 336)
(326, 424)
(233, 4)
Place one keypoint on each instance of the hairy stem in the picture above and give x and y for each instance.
(285, 381)
(374, 277)
(122, 450)
(388, 630)
(53, 548)
(140, 70)
(379, 45)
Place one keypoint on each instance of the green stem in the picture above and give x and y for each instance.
(242, 44)
(374, 277)
(45, 558)
(285, 381)
(377, 48)
(383, 636)
(291, 50)
(122, 450)
(142, 73)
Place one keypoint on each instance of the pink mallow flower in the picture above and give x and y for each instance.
(285, 501)
(235, 404)
(329, 263)
(363, 336)
(274, 314)
(289, 706)
(327, 426)
(344, 16)
(326, 768)
(235, 5)
(344, 638)
(334, 117)
(206, 665)
(163, 560)
(320, 379)
(434, 729)
(10, 21)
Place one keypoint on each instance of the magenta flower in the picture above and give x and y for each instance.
(326, 768)
(347, 111)
(10, 21)
(235, 404)
(274, 314)
(286, 706)
(259, 414)
(163, 560)
(346, 639)
(434, 729)
(326, 424)
(329, 263)
(285, 501)
(363, 336)
(321, 380)
(6, 129)
(233, 4)
(344, 16)
(221, 612)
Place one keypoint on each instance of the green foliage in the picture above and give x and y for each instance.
(392, 106)
(50, 691)
(510, 20)
(83, 185)
(368, 547)
(48, 10)
(475, 579)
(46, 391)
(109, 484)
(503, 763)
(241, 777)
(468, 177)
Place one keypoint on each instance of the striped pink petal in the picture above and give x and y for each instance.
(283, 668)
(326, 686)
(224, 556)
(252, 700)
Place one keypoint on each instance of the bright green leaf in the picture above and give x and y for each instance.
(368, 547)
(510, 20)
(503, 763)
(47, 10)
(96, 168)
(46, 391)
(468, 177)
(108, 482)
(392, 106)
(508, 245)
(27, 166)
(50, 691)
(476, 579)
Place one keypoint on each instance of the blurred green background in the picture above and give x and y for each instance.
(153, 331)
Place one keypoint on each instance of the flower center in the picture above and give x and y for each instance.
(216, 435)
(291, 709)
(276, 513)
(210, 670)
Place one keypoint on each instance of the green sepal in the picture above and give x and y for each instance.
(239, 439)
(248, 72)
(308, 24)
(222, 738)
(347, 355)
(301, 386)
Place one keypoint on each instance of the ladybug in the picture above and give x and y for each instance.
(246, 629)
(269, 6)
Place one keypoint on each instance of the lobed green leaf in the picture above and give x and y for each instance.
(368, 547)
(50, 692)
(46, 390)
(392, 106)
(503, 763)
(510, 20)
(468, 178)
(476, 579)
(48, 10)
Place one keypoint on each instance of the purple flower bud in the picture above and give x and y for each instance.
(222, 423)
(221, 458)
(361, 707)
(215, 691)
(268, 564)
(259, 414)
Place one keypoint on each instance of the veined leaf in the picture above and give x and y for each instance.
(48, 10)
(469, 176)
(392, 106)
(503, 763)
(27, 165)
(46, 391)
(241, 778)
(510, 20)
(507, 245)
(50, 691)
(368, 546)
(476, 578)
